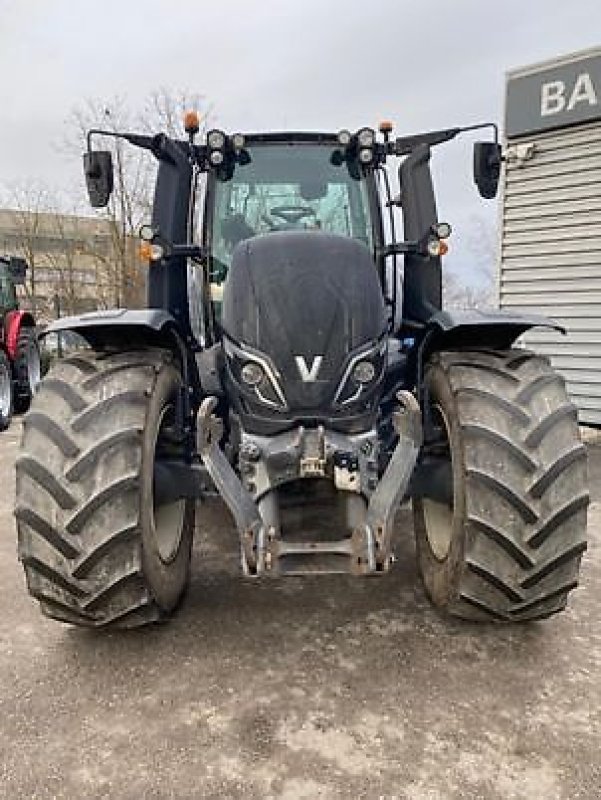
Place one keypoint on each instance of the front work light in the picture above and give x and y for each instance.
(366, 137)
(146, 233)
(216, 140)
(238, 142)
(443, 230)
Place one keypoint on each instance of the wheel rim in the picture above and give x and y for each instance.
(439, 517)
(5, 390)
(34, 367)
(167, 519)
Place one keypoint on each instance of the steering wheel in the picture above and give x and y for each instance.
(292, 214)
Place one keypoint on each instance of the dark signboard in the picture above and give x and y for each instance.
(556, 96)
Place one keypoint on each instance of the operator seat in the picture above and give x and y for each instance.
(235, 229)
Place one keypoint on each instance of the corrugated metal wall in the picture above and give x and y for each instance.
(551, 252)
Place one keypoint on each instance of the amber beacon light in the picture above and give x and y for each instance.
(191, 122)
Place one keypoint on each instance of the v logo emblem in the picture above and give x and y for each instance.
(308, 374)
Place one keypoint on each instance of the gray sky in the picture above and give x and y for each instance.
(292, 64)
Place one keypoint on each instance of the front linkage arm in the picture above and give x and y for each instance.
(239, 501)
(394, 483)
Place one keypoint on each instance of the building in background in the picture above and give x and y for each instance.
(551, 215)
(76, 264)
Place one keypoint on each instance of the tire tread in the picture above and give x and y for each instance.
(79, 538)
(525, 484)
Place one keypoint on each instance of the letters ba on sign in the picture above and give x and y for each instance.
(557, 96)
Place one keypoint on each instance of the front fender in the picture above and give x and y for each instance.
(15, 322)
(121, 326)
(490, 328)
(456, 330)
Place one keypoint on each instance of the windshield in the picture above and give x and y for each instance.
(286, 187)
(8, 299)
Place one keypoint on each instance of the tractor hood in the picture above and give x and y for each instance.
(306, 307)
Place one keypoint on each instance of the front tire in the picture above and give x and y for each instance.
(6, 392)
(96, 551)
(509, 546)
(27, 368)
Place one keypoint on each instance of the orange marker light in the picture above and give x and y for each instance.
(444, 249)
(145, 252)
(385, 126)
(191, 122)
(151, 252)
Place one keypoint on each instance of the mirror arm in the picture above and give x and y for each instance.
(405, 144)
(482, 126)
(160, 145)
(138, 140)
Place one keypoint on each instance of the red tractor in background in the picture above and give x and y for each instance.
(20, 368)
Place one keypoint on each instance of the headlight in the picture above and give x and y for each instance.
(437, 247)
(344, 138)
(255, 375)
(366, 155)
(366, 137)
(216, 140)
(362, 375)
(364, 372)
(252, 374)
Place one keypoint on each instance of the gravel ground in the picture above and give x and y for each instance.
(299, 689)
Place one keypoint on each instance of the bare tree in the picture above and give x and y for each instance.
(29, 203)
(131, 201)
(164, 110)
(460, 294)
(62, 257)
(459, 291)
(76, 260)
(482, 242)
(65, 250)
(128, 201)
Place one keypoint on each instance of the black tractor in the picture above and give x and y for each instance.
(295, 359)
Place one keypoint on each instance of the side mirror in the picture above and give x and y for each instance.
(17, 269)
(98, 169)
(487, 168)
